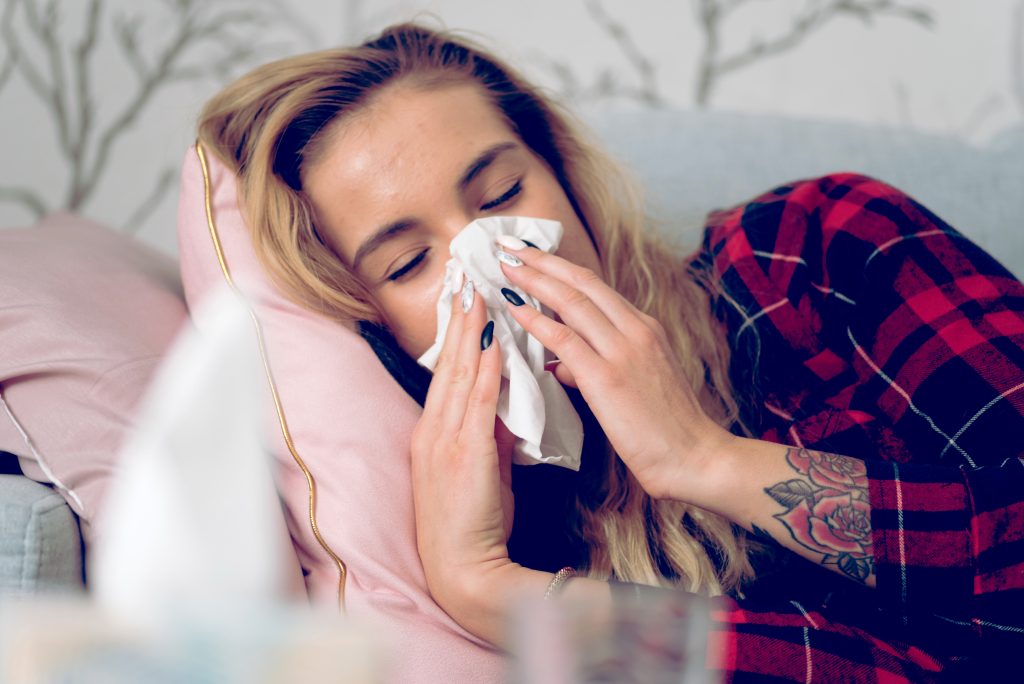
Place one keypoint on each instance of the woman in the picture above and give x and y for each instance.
(827, 373)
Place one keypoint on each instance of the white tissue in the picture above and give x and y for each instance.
(193, 523)
(532, 403)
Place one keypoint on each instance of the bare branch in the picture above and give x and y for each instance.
(12, 57)
(188, 32)
(6, 69)
(126, 30)
(648, 90)
(607, 84)
(24, 65)
(45, 29)
(145, 209)
(62, 78)
(709, 15)
(86, 108)
(25, 198)
(813, 15)
(570, 85)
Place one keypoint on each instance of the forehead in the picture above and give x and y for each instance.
(394, 156)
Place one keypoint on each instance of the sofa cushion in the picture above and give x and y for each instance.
(40, 547)
(85, 317)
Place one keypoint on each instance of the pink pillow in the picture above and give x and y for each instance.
(85, 317)
(351, 426)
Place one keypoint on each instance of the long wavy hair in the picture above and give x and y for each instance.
(270, 122)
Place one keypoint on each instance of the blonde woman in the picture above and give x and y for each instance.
(828, 372)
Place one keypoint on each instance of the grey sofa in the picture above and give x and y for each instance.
(40, 545)
(689, 163)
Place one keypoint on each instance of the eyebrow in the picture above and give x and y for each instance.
(393, 230)
(485, 159)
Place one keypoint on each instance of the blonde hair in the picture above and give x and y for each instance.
(266, 126)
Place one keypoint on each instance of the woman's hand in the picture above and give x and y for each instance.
(461, 469)
(620, 359)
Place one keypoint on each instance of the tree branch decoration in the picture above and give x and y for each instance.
(607, 85)
(60, 79)
(714, 14)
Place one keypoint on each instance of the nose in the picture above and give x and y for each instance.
(454, 225)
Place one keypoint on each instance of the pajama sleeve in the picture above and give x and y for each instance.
(856, 277)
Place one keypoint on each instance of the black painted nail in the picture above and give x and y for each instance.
(512, 297)
(530, 243)
(488, 335)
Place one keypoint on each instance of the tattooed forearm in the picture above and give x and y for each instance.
(827, 509)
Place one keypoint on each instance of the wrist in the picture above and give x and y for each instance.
(732, 481)
(487, 595)
(703, 474)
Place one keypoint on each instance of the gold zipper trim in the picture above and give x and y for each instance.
(311, 483)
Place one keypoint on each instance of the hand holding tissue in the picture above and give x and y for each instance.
(532, 404)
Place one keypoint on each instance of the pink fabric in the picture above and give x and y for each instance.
(352, 424)
(85, 316)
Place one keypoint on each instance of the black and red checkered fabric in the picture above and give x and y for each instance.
(864, 325)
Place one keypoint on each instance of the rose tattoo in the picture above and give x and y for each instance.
(827, 509)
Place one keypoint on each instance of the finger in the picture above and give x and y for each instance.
(433, 405)
(619, 310)
(503, 437)
(481, 411)
(561, 373)
(463, 372)
(573, 305)
(573, 351)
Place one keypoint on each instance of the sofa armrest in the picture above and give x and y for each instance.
(40, 543)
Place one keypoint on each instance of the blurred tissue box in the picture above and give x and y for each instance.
(193, 577)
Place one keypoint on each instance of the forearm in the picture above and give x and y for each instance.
(811, 502)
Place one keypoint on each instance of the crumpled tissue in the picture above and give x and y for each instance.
(532, 404)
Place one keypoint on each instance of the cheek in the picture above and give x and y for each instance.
(550, 201)
(577, 248)
(411, 311)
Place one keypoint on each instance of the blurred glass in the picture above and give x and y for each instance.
(655, 636)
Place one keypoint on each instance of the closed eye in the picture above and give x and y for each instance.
(505, 197)
(408, 267)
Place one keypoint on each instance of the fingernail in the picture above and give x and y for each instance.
(512, 296)
(510, 241)
(507, 258)
(467, 296)
(487, 336)
(457, 279)
(530, 244)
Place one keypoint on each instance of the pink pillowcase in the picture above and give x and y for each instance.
(351, 425)
(85, 316)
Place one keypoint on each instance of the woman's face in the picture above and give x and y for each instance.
(397, 180)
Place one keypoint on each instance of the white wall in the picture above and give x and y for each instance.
(960, 75)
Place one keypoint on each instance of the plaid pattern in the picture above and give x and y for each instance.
(864, 325)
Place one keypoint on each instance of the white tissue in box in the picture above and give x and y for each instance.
(193, 522)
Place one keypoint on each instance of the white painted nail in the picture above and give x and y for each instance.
(457, 279)
(510, 241)
(507, 258)
(467, 296)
